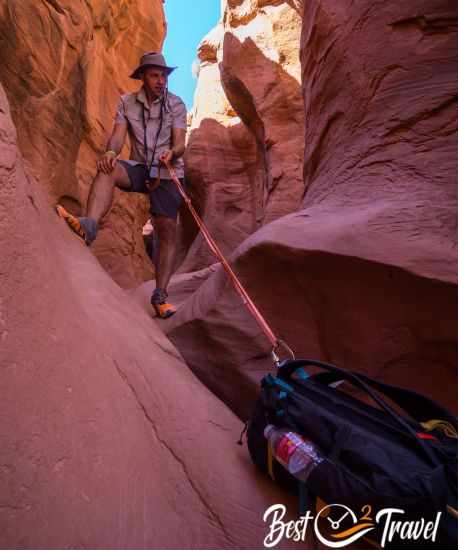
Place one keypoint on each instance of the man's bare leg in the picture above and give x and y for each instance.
(166, 232)
(102, 191)
(99, 202)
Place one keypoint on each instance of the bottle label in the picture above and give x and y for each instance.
(286, 447)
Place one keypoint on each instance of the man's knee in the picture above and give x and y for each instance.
(118, 176)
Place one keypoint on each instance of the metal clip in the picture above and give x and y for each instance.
(275, 357)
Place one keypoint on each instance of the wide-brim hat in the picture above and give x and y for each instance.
(151, 59)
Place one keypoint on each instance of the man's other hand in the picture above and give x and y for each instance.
(107, 163)
(166, 157)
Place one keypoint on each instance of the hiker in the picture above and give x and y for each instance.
(155, 120)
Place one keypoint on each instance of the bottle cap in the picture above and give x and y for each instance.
(268, 430)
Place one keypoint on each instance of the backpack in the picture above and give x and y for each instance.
(376, 458)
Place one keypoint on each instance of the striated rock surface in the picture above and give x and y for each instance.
(64, 64)
(245, 150)
(365, 274)
(107, 440)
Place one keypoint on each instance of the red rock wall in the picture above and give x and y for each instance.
(64, 64)
(245, 150)
(381, 113)
(365, 274)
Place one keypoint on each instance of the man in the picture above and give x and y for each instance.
(155, 120)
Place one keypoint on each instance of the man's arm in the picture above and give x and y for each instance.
(118, 137)
(116, 142)
(178, 146)
(178, 142)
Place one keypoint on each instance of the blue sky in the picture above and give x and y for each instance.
(188, 22)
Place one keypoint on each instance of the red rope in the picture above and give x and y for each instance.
(232, 276)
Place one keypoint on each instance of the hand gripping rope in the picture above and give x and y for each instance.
(276, 343)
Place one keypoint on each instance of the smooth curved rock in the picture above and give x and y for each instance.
(107, 440)
(398, 324)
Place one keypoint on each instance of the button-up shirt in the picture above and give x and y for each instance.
(134, 110)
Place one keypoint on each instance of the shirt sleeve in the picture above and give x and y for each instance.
(120, 116)
(179, 114)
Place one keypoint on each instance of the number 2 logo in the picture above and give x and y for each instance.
(367, 511)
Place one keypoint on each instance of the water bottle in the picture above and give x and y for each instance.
(295, 453)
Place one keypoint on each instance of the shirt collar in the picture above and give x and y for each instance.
(141, 97)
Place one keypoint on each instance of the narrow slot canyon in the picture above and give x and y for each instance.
(321, 153)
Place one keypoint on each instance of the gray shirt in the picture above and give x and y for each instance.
(133, 109)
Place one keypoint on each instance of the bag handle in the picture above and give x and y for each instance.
(288, 368)
(419, 407)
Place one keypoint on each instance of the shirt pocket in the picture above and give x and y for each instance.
(136, 123)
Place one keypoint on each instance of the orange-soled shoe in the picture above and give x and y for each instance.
(85, 228)
(161, 306)
(73, 221)
(164, 310)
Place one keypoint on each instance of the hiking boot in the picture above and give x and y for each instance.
(85, 228)
(159, 302)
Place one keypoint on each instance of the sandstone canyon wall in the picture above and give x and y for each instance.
(245, 150)
(107, 440)
(364, 274)
(64, 64)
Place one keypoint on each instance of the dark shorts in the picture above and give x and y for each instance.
(165, 200)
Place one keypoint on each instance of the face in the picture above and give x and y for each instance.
(155, 79)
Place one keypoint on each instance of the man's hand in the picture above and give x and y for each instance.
(115, 144)
(167, 157)
(107, 163)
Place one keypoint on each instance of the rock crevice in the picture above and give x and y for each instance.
(245, 150)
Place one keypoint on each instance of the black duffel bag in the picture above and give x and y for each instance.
(374, 456)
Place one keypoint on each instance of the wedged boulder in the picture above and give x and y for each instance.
(107, 440)
(365, 273)
(64, 65)
(362, 313)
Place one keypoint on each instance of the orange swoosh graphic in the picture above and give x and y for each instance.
(352, 530)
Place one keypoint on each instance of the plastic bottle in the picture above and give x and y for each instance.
(297, 454)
